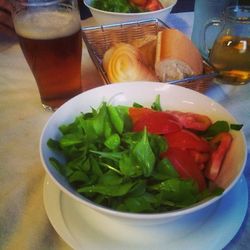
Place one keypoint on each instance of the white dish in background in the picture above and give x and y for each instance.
(107, 17)
(210, 228)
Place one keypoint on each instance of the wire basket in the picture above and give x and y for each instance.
(99, 39)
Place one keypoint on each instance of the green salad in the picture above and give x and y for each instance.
(113, 165)
(122, 6)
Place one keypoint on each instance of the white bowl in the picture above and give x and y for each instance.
(173, 98)
(107, 17)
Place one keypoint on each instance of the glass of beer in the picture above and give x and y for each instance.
(230, 54)
(49, 33)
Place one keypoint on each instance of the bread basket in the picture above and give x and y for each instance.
(99, 39)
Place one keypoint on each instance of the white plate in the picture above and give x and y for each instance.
(210, 228)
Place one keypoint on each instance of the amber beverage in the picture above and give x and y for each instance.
(231, 57)
(52, 45)
(230, 53)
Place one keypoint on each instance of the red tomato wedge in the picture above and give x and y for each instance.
(139, 2)
(138, 113)
(221, 144)
(191, 120)
(185, 139)
(153, 5)
(185, 165)
(200, 157)
(156, 122)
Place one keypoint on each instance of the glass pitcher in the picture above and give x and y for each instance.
(204, 10)
(230, 53)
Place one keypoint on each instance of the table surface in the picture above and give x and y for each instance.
(23, 220)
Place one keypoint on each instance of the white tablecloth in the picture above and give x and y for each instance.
(23, 220)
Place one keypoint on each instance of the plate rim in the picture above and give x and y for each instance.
(55, 195)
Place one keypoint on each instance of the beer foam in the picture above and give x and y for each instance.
(47, 24)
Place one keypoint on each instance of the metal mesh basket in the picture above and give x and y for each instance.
(99, 39)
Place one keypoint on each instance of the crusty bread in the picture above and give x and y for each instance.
(147, 46)
(139, 42)
(170, 55)
(176, 56)
(124, 62)
(107, 57)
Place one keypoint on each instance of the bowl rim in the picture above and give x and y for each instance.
(132, 215)
(130, 14)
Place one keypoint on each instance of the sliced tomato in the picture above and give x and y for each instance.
(138, 113)
(191, 120)
(185, 165)
(220, 144)
(140, 3)
(156, 122)
(200, 157)
(185, 139)
(153, 5)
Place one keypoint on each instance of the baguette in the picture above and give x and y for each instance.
(123, 62)
(176, 56)
(147, 46)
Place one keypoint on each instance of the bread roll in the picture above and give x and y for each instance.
(123, 62)
(147, 46)
(176, 56)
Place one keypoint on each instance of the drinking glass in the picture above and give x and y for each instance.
(49, 33)
(230, 53)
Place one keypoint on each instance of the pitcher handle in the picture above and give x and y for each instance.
(212, 22)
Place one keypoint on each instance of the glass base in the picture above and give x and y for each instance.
(48, 108)
(230, 81)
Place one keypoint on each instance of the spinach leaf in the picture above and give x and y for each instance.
(109, 190)
(137, 105)
(53, 144)
(216, 128)
(94, 126)
(143, 203)
(236, 126)
(110, 178)
(157, 104)
(220, 126)
(129, 166)
(165, 170)
(115, 118)
(182, 192)
(78, 176)
(144, 155)
(112, 142)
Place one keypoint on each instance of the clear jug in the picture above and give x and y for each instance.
(230, 53)
(204, 10)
